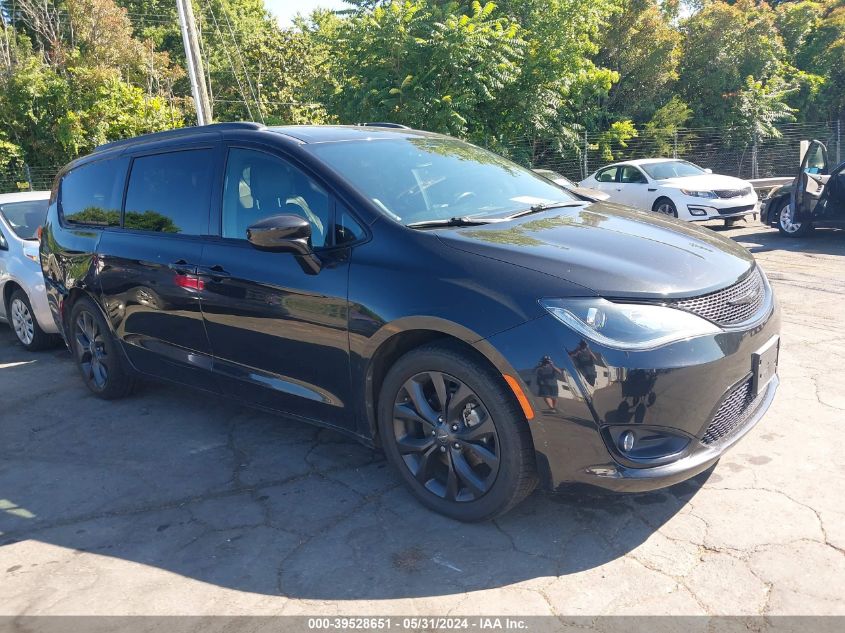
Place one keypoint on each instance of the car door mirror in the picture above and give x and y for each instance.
(285, 233)
(707, 170)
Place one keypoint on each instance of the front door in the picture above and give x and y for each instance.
(148, 276)
(278, 329)
(633, 188)
(808, 186)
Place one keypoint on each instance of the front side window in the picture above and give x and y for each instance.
(672, 169)
(90, 194)
(25, 217)
(421, 178)
(259, 185)
(170, 193)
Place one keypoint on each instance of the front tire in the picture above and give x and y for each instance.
(24, 324)
(97, 355)
(665, 206)
(787, 226)
(450, 426)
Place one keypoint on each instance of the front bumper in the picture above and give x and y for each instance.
(677, 388)
(722, 209)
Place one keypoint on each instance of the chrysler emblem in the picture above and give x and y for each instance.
(742, 301)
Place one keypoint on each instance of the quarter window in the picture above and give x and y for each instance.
(347, 229)
(170, 193)
(259, 185)
(91, 194)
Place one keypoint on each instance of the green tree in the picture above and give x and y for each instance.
(642, 46)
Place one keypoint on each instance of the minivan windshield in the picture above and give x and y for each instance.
(671, 169)
(25, 217)
(424, 179)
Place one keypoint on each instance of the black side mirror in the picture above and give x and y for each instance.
(285, 233)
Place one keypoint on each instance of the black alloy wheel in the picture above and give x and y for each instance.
(96, 353)
(446, 437)
(451, 426)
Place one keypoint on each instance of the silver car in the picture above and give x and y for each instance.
(23, 299)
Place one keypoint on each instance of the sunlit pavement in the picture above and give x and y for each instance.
(177, 502)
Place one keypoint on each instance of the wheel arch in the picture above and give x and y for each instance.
(394, 343)
(8, 289)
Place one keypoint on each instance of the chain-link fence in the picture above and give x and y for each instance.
(715, 148)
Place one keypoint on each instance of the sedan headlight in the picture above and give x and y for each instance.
(627, 326)
(699, 194)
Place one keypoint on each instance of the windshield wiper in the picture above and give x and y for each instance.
(545, 206)
(458, 221)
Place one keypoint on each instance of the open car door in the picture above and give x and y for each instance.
(810, 182)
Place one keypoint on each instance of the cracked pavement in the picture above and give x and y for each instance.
(177, 502)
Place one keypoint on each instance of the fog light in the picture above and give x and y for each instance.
(697, 211)
(626, 442)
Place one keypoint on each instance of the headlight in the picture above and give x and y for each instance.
(627, 326)
(699, 194)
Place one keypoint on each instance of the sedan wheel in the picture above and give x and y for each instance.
(22, 321)
(446, 437)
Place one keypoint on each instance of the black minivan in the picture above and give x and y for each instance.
(486, 328)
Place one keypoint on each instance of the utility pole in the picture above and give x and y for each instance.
(196, 73)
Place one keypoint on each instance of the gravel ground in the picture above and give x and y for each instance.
(174, 502)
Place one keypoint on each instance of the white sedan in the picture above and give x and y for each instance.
(677, 188)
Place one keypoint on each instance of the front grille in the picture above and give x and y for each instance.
(732, 414)
(733, 193)
(731, 305)
(746, 208)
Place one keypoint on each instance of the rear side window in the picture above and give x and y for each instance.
(25, 217)
(631, 174)
(607, 175)
(170, 193)
(91, 194)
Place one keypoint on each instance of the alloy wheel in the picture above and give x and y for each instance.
(666, 209)
(91, 350)
(22, 321)
(446, 437)
(786, 220)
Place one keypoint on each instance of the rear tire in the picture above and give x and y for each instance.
(25, 325)
(470, 456)
(97, 354)
(789, 228)
(665, 206)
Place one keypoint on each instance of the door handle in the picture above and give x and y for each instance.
(216, 272)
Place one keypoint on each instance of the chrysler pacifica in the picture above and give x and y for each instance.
(487, 329)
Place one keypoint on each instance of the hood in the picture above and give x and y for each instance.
(612, 250)
(705, 182)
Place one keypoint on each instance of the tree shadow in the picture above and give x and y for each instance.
(201, 487)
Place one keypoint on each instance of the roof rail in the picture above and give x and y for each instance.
(384, 124)
(181, 131)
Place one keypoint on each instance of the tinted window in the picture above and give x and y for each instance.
(607, 175)
(347, 229)
(631, 174)
(259, 185)
(170, 193)
(417, 179)
(91, 194)
(25, 217)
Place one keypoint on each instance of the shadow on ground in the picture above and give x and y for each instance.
(762, 240)
(207, 489)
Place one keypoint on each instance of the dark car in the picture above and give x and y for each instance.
(483, 327)
(820, 192)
